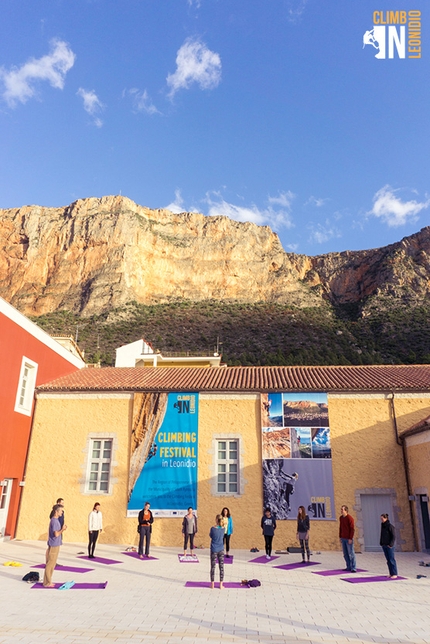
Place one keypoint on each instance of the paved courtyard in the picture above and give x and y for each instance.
(146, 601)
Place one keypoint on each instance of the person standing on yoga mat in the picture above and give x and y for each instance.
(55, 539)
(227, 524)
(217, 533)
(189, 529)
(346, 536)
(387, 541)
(303, 532)
(95, 526)
(268, 525)
(144, 529)
(59, 502)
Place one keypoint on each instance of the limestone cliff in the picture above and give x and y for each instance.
(97, 254)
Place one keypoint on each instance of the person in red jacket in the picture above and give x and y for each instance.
(346, 536)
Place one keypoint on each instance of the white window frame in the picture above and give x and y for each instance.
(227, 462)
(100, 461)
(26, 386)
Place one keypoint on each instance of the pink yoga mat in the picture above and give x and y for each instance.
(207, 584)
(263, 560)
(94, 586)
(330, 573)
(187, 559)
(135, 555)
(300, 564)
(101, 560)
(65, 568)
(364, 580)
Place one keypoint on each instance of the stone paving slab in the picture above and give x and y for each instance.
(150, 604)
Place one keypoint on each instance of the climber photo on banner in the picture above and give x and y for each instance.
(164, 451)
(297, 466)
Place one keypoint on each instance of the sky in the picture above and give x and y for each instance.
(269, 111)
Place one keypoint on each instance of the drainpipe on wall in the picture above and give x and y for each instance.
(401, 442)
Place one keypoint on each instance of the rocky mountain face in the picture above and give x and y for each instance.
(98, 254)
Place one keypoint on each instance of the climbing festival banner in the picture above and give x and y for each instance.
(163, 455)
(296, 448)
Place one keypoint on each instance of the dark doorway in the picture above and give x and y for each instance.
(424, 506)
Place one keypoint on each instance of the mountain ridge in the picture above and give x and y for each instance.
(97, 254)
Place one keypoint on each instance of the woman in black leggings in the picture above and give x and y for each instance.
(227, 524)
(268, 525)
(95, 526)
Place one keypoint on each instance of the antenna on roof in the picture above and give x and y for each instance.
(218, 346)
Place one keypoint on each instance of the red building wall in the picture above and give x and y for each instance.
(19, 337)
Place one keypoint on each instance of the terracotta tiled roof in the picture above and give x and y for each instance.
(247, 379)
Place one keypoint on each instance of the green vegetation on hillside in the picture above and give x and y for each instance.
(253, 334)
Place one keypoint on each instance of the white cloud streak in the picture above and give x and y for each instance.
(195, 63)
(297, 8)
(20, 82)
(176, 206)
(142, 102)
(315, 201)
(320, 234)
(275, 217)
(392, 210)
(92, 104)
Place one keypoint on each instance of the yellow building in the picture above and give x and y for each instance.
(86, 429)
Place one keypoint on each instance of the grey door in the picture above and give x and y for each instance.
(372, 506)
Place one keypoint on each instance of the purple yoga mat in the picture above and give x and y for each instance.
(187, 559)
(364, 580)
(299, 564)
(330, 573)
(135, 555)
(94, 586)
(101, 560)
(262, 560)
(65, 568)
(207, 584)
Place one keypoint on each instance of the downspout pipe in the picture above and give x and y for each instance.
(400, 441)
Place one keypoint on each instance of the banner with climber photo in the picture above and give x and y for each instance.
(296, 449)
(163, 454)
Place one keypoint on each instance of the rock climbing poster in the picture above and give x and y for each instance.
(296, 449)
(163, 455)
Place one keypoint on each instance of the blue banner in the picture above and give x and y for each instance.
(163, 464)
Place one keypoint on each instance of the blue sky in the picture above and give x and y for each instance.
(268, 111)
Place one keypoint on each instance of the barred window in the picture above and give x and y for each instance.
(228, 466)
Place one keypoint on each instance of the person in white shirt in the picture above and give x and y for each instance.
(95, 525)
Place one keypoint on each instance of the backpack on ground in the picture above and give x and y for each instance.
(31, 577)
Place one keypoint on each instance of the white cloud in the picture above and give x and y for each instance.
(315, 201)
(176, 206)
(270, 216)
(142, 102)
(92, 104)
(19, 82)
(320, 234)
(196, 2)
(195, 63)
(392, 210)
(296, 9)
(284, 199)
